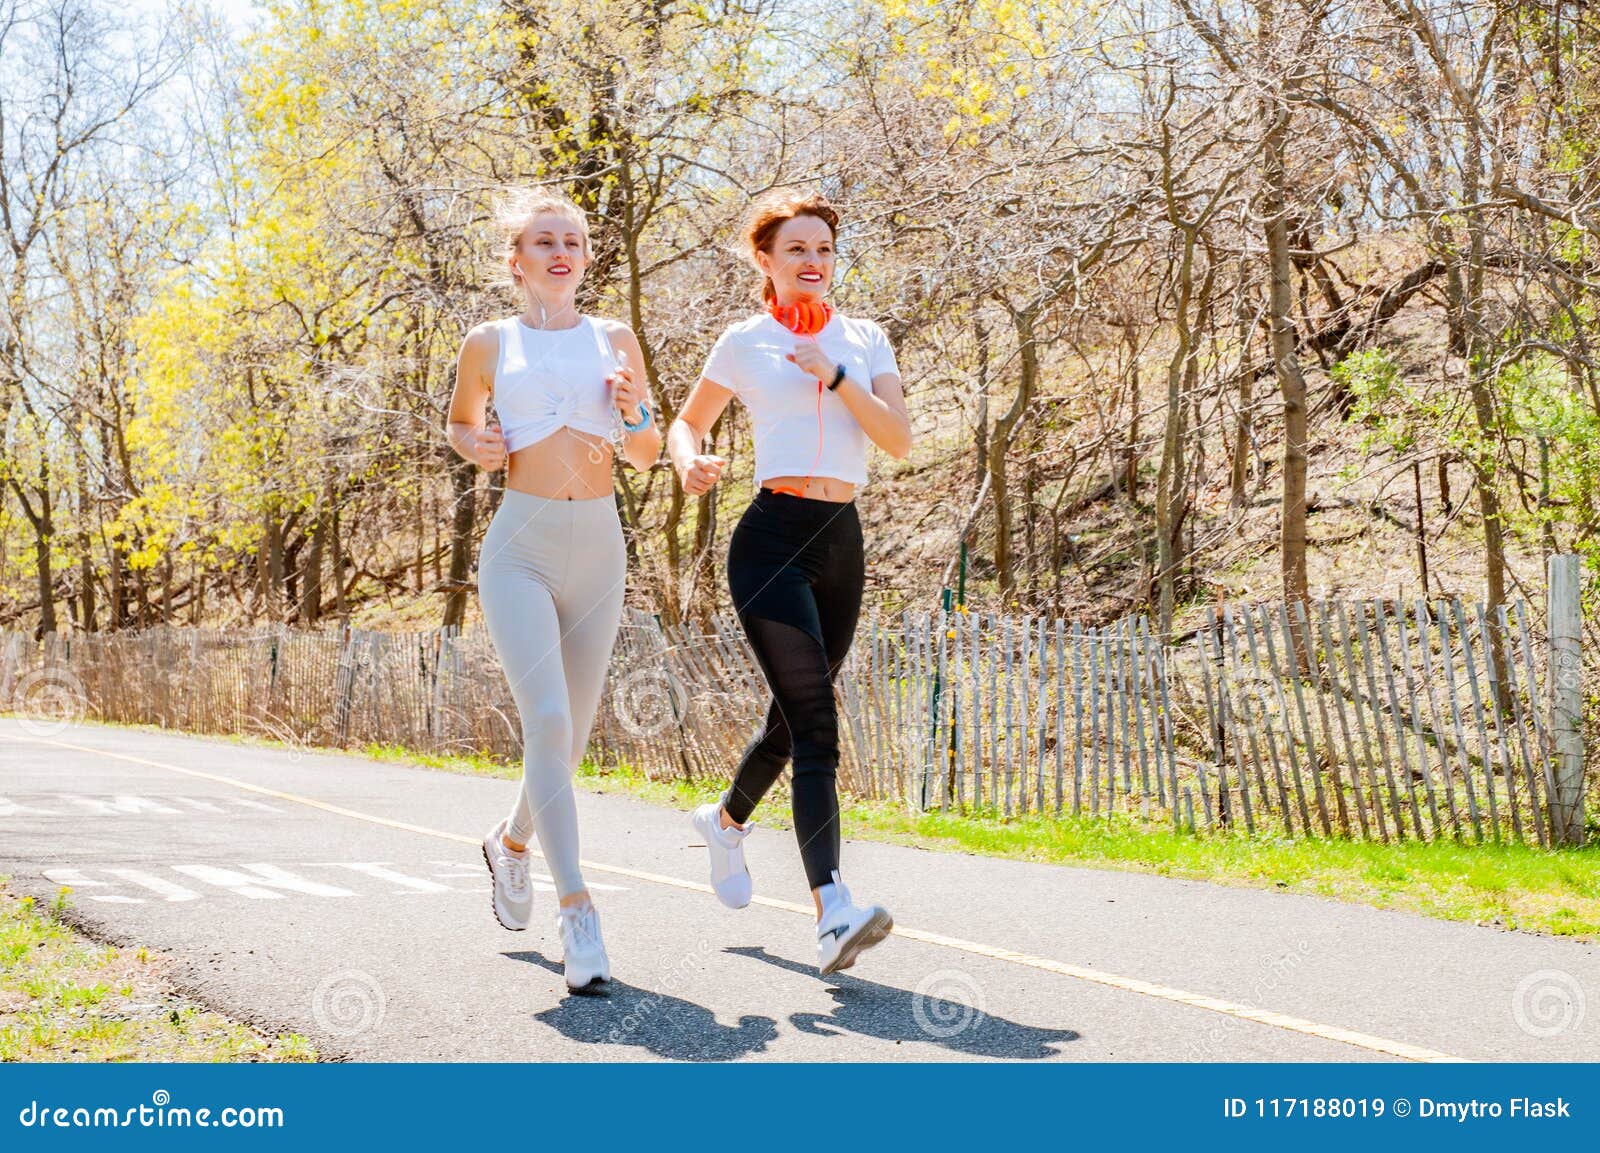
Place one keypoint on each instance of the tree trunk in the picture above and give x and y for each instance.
(703, 573)
(1422, 535)
(463, 517)
(43, 531)
(1000, 441)
(41, 519)
(1475, 350)
(1170, 482)
(980, 423)
(311, 584)
(1285, 361)
(86, 598)
(338, 562)
(119, 587)
(1239, 472)
(1130, 465)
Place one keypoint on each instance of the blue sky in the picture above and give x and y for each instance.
(239, 12)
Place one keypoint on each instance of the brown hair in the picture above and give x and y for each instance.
(771, 212)
(512, 212)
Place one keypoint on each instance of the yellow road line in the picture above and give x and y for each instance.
(1080, 972)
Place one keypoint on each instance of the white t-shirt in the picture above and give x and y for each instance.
(748, 360)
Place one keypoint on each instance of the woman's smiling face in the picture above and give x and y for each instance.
(800, 263)
(551, 254)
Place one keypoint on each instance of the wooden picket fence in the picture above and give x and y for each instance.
(1362, 719)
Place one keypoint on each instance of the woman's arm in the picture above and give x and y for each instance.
(642, 448)
(880, 408)
(485, 448)
(881, 411)
(697, 471)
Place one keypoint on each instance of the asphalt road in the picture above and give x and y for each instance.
(346, 899)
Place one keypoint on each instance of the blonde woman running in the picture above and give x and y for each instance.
(567, 388)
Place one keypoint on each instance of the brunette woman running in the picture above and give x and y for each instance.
(818, 386)
(550, 575)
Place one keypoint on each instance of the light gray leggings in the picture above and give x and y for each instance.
(550, 579)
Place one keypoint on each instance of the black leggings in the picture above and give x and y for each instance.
(796, 571)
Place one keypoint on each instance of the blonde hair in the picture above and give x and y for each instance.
(515, 209)
(771, 212)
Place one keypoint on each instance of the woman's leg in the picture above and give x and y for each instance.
(514, 587)
(763, 762)
(796, 666)
(841, 580)
(767, 578)
(590, 612)
(791, 565)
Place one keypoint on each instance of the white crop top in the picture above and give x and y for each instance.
(550, 378)
(748, 360)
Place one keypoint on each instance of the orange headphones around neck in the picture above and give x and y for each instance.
(804, 318)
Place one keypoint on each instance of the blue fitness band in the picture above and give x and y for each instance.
(643, 424)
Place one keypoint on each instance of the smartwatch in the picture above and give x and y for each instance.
(838, 378)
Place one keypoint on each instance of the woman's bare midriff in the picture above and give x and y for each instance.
(566, 465)
(817, 488)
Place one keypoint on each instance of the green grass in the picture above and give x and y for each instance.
(66, 998)
(1506, 886)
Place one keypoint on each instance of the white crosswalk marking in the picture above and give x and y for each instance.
(76, 879)
(281, 878)
(119, 806)
(199, 805)
(234, 882)
(462, 871)
(263, 881)
(381, 872)
(131, 805)
(10, 808)
(251, 803)
(159, 885)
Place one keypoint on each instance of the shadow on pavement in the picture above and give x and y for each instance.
(949, 1014)
(665, 1025)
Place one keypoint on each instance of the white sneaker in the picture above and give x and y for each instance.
(513, 892)
(847, 929)
(729, 877)
(583, 950)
